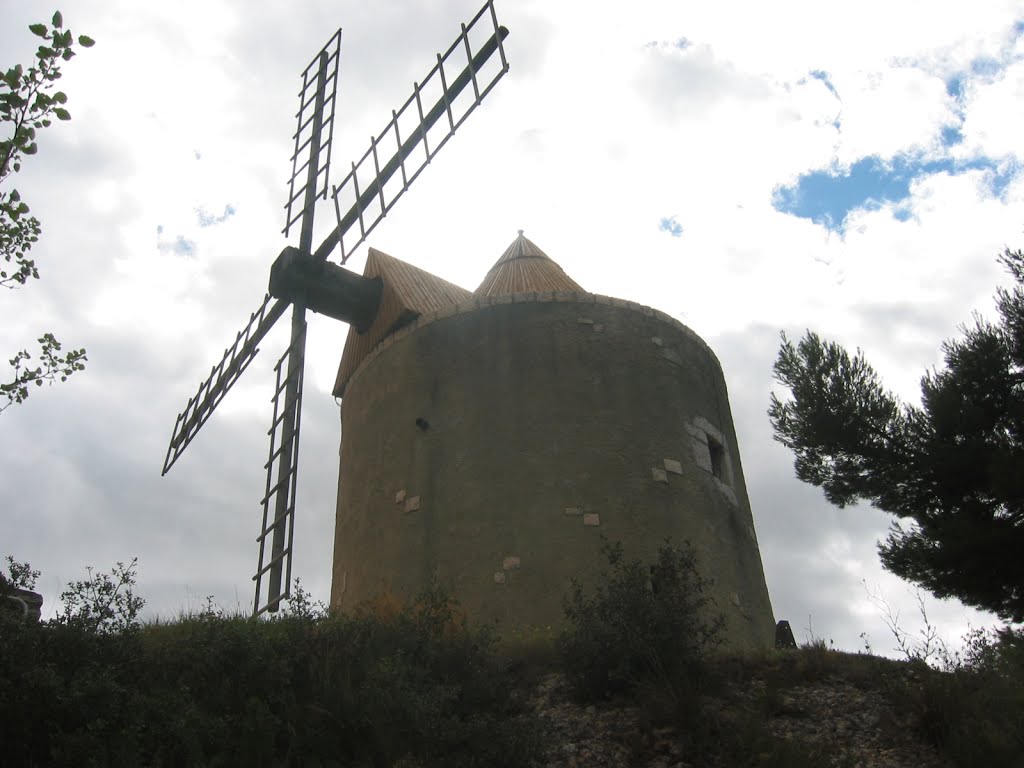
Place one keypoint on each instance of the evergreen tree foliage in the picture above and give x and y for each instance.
(951, 471)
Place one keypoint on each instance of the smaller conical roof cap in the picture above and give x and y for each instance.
(525, 267)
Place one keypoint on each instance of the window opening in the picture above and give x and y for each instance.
(717, 453)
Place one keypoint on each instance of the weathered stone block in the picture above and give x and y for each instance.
(701, 455)
(592, 519)
(671, 465)
(510, 563)
(659, 475)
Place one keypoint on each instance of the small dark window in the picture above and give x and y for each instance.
(717, 452)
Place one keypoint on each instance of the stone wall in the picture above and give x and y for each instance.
(491, 445)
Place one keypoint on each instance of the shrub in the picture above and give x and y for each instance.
(973, 709)
(307, 688)
(644, 624)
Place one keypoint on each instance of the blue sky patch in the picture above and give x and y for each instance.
(951, 134)
(828, 196)
(670, 225)
(181, 246)
(955, 87)
(208, 219)
(823, 76)
(986, 66)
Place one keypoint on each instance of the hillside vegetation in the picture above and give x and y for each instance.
(638, 678)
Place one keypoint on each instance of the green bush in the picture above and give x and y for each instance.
(368, 690)
(644, 624)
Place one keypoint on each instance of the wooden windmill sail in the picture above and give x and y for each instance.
(302, 278)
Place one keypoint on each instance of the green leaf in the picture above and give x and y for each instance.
(13, 77)
(68, 53)
(61, 113)
(58, 21)
(38, 29)
(60, 97)
(85, 41)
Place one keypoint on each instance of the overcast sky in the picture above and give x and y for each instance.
(746, 167)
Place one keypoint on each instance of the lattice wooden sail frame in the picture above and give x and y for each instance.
(304, 135)
(279, 516)
(368, 204)
(411, 127)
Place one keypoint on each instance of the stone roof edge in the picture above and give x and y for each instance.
(484, 302)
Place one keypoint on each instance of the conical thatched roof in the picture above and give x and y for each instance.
(525, 267)
(408, 292)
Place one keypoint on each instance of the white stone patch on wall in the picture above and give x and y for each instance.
(659, 475)
(499, 577)
(400, 496)
(412, 503)
(708, 428)
(510, 563)
(673, 466)
(572, 511)
(584, 321)
(656, 341)
(592, 519)
(699, 445)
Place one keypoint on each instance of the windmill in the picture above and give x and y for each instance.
(304, 279)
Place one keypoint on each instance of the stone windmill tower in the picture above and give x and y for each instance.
(490, 438)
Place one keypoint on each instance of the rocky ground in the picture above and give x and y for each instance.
(831, 722)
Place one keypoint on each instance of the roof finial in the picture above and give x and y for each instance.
(520, 232)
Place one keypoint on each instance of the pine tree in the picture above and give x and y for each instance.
(951, 471)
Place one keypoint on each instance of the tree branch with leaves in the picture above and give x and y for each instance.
(951, 471)
(28, 104)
